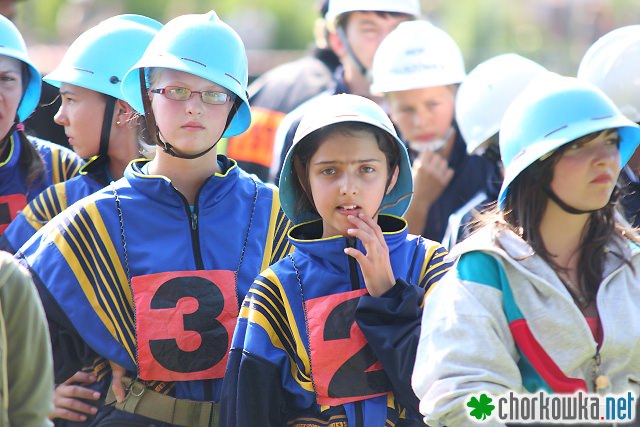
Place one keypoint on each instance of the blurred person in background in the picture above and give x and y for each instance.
(418, 67)
(278, 92)
(8, 9)
(611, 63)
(483, 97)
(356, 29)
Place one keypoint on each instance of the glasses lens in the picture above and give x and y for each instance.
(177, 93)
(216, 98)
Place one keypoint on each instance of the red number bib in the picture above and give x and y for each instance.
(10, 205)
(343, 365)
(184, 324)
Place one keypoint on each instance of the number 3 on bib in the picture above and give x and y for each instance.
(184, 324)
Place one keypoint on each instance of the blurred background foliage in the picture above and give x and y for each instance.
(553, 32)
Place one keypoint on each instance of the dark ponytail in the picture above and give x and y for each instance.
(31, 163)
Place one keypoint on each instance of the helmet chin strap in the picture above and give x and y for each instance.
(154, 132)
(343, 38)
(105, 133)
(570, 209)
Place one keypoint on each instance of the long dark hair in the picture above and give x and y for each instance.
(303, 153)
(31, 163)
(525, 204)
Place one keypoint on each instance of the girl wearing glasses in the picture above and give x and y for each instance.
(545, 296)
(149, 272)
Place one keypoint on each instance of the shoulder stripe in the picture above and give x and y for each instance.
(57, 167)
(267, 306)
(46, 205)
(282, 247)
(64, 165)
(86, 245)
(433, 267)
(278, 245)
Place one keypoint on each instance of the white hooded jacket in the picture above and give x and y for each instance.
(499, 285)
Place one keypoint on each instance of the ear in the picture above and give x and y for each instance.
(394, 179)
(336, 44)
(123, 107)
(122, 113)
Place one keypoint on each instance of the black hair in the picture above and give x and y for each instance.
(524, 207)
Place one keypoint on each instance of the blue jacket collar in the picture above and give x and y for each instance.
(13, 156)
(158, 187)
(306, 237)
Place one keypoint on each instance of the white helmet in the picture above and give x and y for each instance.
(611, 63)
(339, 7)
(485, 94)
(416, 55)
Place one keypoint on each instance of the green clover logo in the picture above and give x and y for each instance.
(481, 408)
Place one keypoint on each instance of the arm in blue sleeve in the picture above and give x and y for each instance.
(252, 393)
(391, 324)
(70, 352)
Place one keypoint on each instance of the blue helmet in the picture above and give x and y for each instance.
(552, 111)
(13, 46)
(100, 57)
(344, 108)
(202, 45)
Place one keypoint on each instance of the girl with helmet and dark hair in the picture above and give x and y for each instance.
(89, 77)
(149, 272)
(27, 165)
(317, 340)
(545, 296)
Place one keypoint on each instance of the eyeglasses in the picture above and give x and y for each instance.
(178, 93)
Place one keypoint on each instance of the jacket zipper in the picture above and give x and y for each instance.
(355, 285)
(207, 385)
(193, 222)
(353, 266)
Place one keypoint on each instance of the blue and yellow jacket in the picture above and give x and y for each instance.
(312, 348)
(52, 201)
(60, 164)
(134, 274)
